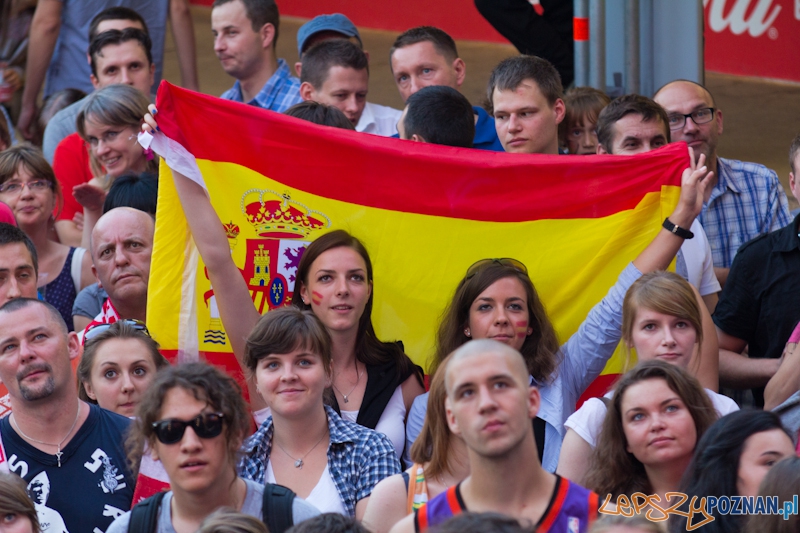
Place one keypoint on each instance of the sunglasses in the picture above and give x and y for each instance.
(97, 329)
(205, 426)
(504, 261)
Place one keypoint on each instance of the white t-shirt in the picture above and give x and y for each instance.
(392, 420)
(588, 420)
(695, 263)
(324, 496)
(379, 120)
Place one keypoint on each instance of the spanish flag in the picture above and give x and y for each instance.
(424, 212)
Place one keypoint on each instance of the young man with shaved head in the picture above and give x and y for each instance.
(745, 200)
(490, 405)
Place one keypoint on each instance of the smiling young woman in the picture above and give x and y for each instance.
(305, 445)
(108, 123)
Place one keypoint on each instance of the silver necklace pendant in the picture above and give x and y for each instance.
(298, 464)
(345, 399)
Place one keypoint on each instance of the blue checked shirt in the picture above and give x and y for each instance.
(358, 458)
(747, 201)
(280, 92)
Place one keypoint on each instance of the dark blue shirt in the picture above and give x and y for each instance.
(92, 487)
(485, 132)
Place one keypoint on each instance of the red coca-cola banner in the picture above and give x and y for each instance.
(753, 37)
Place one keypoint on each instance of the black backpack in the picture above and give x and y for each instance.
(276, 508)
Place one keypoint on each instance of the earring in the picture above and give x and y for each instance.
(466, 332)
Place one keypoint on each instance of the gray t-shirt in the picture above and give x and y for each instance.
(301, 510)
(90, 300)
(61, 124)
(69, 67)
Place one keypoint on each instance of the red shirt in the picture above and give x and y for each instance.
(71, 166)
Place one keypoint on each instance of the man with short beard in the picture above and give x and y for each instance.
(60, 445)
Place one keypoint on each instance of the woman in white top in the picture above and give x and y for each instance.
(663, 318)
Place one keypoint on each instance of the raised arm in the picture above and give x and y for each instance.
(661, 251)
(236, 308)
(44, 31)
(180, 19)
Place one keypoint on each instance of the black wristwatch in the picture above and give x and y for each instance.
(677, 230)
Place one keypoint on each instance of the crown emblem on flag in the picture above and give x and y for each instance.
(277, 215)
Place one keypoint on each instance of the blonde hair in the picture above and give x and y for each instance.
(115, 105)
(662, 292)
(433, 444)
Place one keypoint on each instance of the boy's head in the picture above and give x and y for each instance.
(438, 115)
(336, 73)
(577, 132)
(526, 96)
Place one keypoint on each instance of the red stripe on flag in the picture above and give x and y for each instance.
(580, 29)
(389, 173)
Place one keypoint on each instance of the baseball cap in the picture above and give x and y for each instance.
(335, 22)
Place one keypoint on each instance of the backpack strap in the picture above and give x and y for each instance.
(144, 516)
(276, 509)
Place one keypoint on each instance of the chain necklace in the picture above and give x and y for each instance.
(358, 379)
(298, 463)
(59, 453)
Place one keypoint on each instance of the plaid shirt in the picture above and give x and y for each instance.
(280, 92)
(358, 458)
(747, 201)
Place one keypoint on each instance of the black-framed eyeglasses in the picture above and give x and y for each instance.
(205, 426)
(97, 329)
(15, 187)
(699, 116)
(477, 266)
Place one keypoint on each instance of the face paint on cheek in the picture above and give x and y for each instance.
(316, 297)
(522, 329)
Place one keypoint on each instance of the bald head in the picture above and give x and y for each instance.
(122, 244)
(684, 85)
(120, 218)
(481, 349)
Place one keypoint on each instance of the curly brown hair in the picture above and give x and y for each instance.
(207, 384)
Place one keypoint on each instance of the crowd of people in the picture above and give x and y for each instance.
(340, 434)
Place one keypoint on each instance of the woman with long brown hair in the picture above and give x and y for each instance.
(654, 421)
(663, 318)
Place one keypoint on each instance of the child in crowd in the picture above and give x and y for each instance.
(577, 131)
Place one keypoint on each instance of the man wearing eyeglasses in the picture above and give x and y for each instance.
(744, 199)
(69, 452)
(634, 124)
